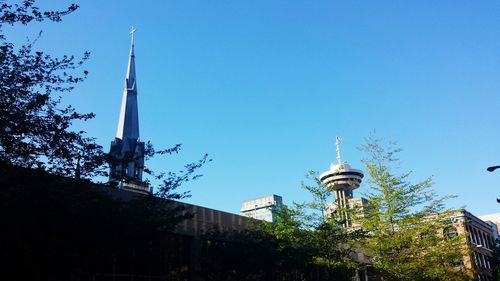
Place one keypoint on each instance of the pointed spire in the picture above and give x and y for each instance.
(130, 78)
(127, 151)
(128, 124)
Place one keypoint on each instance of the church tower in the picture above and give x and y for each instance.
(127, 151)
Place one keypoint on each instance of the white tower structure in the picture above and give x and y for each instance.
(127, 151)
(342, 179)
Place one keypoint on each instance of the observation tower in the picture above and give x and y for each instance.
(342, 179)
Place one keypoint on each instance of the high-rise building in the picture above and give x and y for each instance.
(261, 208)
(343, 179)
(127, 151)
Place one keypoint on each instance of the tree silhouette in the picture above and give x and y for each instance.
(35, 129)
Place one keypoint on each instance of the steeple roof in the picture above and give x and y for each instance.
(128, 123)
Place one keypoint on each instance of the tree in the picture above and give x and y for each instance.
(35, 128)
(254, 254)
(310, 225)
(168, 182)
(239, 255)
(407, 223)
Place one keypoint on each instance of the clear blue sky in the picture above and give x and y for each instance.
(265, 86)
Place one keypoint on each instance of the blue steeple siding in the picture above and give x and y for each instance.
(127, 151)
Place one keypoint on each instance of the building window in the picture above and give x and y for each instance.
(469, 232)
(483, 241)
(457, 262)
(450, 232)
(477, 240)
(427, 235)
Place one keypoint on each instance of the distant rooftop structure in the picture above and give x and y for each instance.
(495, 217)
(261, 208)
(492, 219)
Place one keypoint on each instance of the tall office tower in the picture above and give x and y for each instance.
(127, 151)
(343, 179)
(261, 208)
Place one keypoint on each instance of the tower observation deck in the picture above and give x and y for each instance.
(342, 179)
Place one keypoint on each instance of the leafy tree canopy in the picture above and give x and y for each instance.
(407, 222)
(35, 129)
(310, 225)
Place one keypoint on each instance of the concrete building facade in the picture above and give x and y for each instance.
(261, 208)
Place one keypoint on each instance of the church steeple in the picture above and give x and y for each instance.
(128, 123)
(127, 152)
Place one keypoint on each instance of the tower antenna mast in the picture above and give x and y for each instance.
(337, 142)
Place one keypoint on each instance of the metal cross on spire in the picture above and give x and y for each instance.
(132, 31)
(337, 142)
